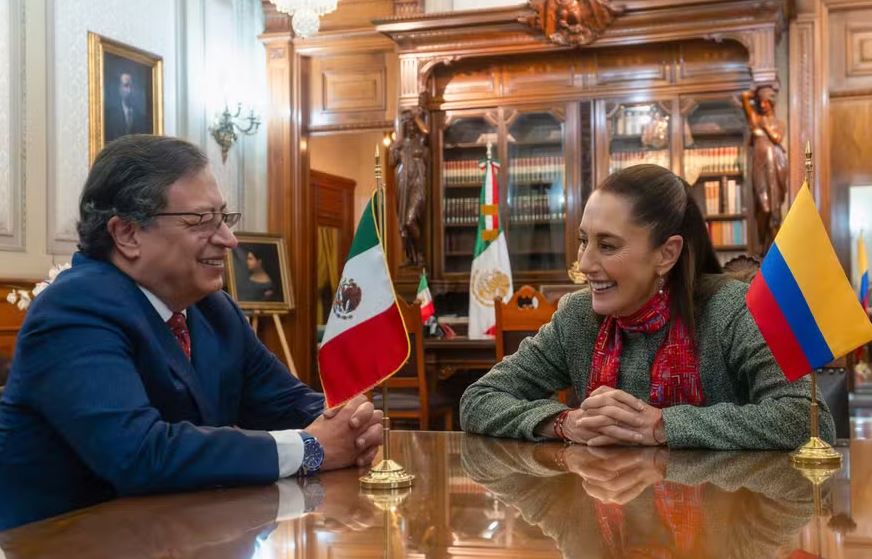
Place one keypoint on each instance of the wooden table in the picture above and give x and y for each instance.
(446, 357)
(481, 497)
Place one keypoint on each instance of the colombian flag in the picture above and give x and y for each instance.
(801, 299)
(863, 265)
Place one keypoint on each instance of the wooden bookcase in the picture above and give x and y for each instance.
(660, 83)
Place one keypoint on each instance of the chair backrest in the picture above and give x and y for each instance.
(413, 374)
(521, 317)
(833, 388)
(742, 267)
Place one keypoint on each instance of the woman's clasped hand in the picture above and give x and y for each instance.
(610, 416)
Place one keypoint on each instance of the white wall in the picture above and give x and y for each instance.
(209, 47)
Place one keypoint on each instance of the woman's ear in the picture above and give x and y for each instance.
(126, 237)
(669, 253)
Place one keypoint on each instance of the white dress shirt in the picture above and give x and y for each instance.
(289, 442)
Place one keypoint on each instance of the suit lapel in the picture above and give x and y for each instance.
(205, 358)
(179, 364)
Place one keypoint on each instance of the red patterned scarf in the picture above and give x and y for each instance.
(680, 508)
(675, 372)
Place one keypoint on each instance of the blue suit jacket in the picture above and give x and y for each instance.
(101, 401)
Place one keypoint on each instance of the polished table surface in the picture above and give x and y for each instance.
(482, 497)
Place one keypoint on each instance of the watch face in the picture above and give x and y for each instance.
(313, 456)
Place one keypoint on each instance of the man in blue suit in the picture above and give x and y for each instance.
(134, 373)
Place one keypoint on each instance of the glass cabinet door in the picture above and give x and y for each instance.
(465, 140)
(536, 194)
(637, 133)
(714, 160)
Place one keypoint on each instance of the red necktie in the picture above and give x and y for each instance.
(179, 327)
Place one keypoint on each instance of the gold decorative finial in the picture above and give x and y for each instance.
(378, 169)
(490, 146)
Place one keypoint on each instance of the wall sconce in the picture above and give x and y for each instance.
(225, 127)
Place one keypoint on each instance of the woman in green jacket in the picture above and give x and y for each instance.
(661, 348)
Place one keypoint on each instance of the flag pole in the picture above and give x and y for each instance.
(380, 215)
(387, 474)
(816, 458)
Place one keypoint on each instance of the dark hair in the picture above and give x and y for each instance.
(662, 202)
(258, 251)
(130, 178)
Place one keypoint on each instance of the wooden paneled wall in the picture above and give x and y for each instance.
(352, 91)
(848, 40)
(831, 106)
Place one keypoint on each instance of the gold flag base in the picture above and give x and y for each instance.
(816, 454)
(387, 474)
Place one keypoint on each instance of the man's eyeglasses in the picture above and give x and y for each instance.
(206, 220)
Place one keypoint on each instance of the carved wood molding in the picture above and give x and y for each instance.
(428, 40)
(351, 127)
(572, 22)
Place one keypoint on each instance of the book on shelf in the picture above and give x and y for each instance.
(622, 159)
(722, 197)
(460, 211)
(721, 159)
(631, 121)
(535, 208)
(543, 169)
(727, 233)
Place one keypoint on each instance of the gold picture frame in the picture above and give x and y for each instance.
(125, 92)
(258, 277)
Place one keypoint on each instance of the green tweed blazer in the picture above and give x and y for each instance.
(748, 402)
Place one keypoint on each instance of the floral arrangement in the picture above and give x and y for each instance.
(22, 297)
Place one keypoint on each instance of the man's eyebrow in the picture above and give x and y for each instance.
(221, 208)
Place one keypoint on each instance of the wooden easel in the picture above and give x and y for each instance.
(254, 319)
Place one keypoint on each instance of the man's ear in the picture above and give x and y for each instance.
(126, 236)
(669, 253)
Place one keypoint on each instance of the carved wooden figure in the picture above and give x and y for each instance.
(572, 22)
(409, 155)
(768, 162)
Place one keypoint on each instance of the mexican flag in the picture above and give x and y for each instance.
(365, 339)
(426, 299)
(491, 274)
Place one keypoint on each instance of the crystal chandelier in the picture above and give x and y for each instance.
(305, 14)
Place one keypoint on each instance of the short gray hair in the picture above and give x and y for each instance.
(130, 178)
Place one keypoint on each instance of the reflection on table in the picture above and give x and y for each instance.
(482, 497)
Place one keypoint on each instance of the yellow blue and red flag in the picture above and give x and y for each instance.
(801, 299)
(863, 265)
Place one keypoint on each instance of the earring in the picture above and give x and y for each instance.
(661, 281)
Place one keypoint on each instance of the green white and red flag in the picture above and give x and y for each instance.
(426, 299)
(491, 273)
(365, 339)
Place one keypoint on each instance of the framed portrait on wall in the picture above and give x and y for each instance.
(257, 273)
(125, 92)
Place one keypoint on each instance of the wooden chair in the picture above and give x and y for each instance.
(521, 317)
(832, 385)
(410, 394)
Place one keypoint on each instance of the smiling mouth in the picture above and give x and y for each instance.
(601, 286)
(214, 262)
